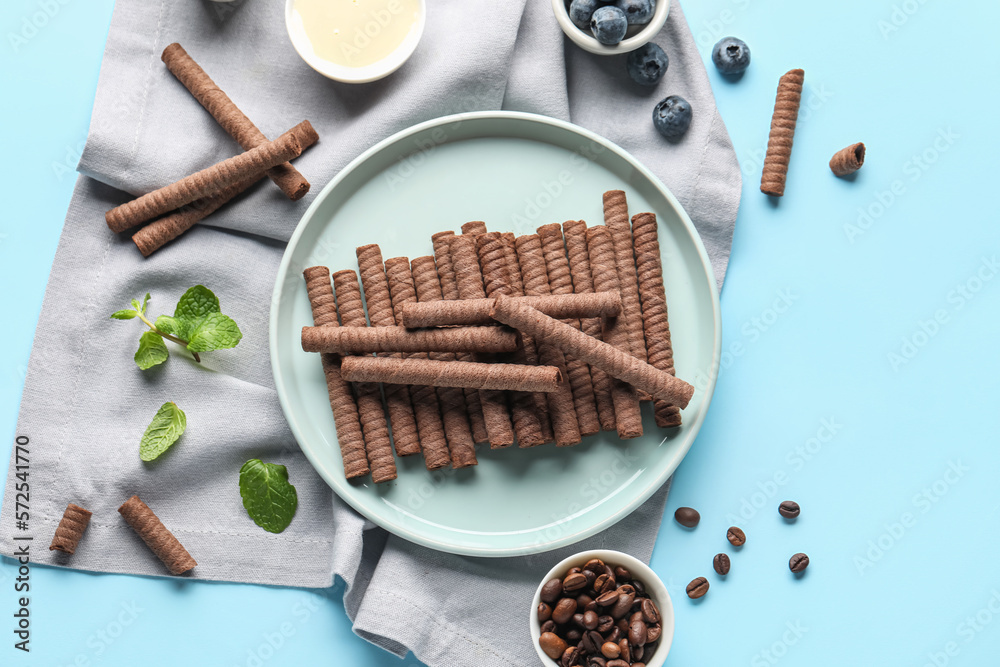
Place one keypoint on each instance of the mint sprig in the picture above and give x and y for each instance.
(197, 325)
(268, 496)
(166, 427)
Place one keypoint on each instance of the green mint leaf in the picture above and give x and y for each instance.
(152, 351)
(145, 302)
(215, 332)
(196, 303)
(169, 325)
(268, 497)
(168, 425)
(123, 314)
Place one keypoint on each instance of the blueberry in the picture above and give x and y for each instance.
(647, 64)
(608, 24)
(580, 12)
(638, 11)
(672, 117)
(731, 55)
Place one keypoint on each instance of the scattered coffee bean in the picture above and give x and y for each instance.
(687, 517)
(721, 564)
(552, 644)
(798, 563)
(789, 509)
(574, 583)
(637, 633)
(610, 650)
(564, 610)
(544, 612)
(697, 588)
(735, 535)
(650, 613)
(552, 591)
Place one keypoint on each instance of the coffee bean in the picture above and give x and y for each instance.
(697, 588)
(610, 650)
(605, 623)
(552, 645)
(638, 664)
(626, 588)
(600, 583)
(640, 588)
(625, 654)
(636, 616)
(798, 563)
(650, 613)
(592, 641)
(789, 509)
(687, 517)
(571, 656)
(574, 583)
(637, 633)
(623, 605)
(549, 626)
(598, 661)
(638, 652)
(544, 612)
(735, 535)
(622, 625)
(590, 606)
(621, 574)
(653, 633)
(552, 591)
(721, 564)
(590, 620)
(574, 570)
(614, 635)
(573, 636)
(607, 598)
(617, 663)
(564, 610)
(637, 604)
(595, 565)
(578, 620)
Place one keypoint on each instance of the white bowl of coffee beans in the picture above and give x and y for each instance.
(602, 608)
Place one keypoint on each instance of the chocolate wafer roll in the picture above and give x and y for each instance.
(477, 311)
(561, 283)
(379, 303)
(378, 445)
(232, 120)
(660, 353)
(848, 160)
(617, 222)
(449, 290)
(70, 529)
(614, 362)
(538, 399)
(156, 536)
(163, 230)
(206, 182)
(342, 403)
(426, 407)
(562, 413)
(575, 233)
(496, 277)
(779, 142)
(628, 419)
(474, 228)
(454, 413)
(469, 279)
(498, 376)
(401, 339)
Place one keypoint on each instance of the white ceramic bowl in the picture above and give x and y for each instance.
(639, 570)
(634, 38)
(373, 72)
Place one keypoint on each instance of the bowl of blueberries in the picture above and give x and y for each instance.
(607, 27)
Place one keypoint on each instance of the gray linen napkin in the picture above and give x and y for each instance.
(84, 402)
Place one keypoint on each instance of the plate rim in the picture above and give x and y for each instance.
(337, 483)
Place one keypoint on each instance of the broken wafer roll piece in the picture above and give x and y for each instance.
(70, 529)
(232, 120)
(779, 142)
(156, 536)
(208, 181)
(848, 160)
(319, 289)
(608, 358)
(494, 376)
(477, 311)
(355, 340)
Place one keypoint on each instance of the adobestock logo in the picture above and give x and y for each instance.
(773, 654)
(35, 21)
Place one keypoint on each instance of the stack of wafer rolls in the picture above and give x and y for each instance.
(543, 338)
(171, 210)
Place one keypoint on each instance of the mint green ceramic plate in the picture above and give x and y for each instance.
(515, 171)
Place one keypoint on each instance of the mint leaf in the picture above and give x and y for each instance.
(268, 497)
(152, 351)
(196, 303)
(168, 425)
(127, 314)
(145, 302)
(168, 325)
(216, 332)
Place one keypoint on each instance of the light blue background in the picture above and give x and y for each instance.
(901, 548)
